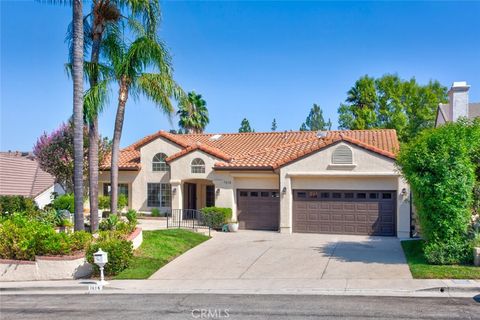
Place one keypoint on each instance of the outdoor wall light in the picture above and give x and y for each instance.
(284, 190)
(174, 190)
(217, 192)
(100, 258)
(404, 192)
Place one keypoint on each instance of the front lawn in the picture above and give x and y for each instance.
(420, 269)
(158, 248)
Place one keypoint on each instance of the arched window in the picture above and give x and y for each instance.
(198, 166)
(342, 155)
(159, 164)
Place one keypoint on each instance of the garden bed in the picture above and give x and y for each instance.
(420, 268)
(159, 248)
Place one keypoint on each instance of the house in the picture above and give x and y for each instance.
(458, 105)
(20, 175)
(340, 182)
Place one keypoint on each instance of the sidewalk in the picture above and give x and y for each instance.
(349, 287)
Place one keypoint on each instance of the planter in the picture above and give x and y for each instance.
(136, 237)
(46, 268)
(476, 256)
(233, 227)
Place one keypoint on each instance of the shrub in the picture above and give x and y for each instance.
(120, 254)
(22, 238)
(64, 202)
(122, 201)
(131, 216)
(440, 167)
(216, 217)
(109, 223)
(12, 204)
(103, 202)
(155, 212)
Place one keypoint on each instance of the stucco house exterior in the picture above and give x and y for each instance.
(342, 182)
(458, 105)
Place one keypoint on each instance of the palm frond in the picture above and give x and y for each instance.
(95, 100)
(160, 89)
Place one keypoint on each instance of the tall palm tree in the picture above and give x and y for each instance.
(105, 14)
(77, 75)
(129, 62)
(193, 113)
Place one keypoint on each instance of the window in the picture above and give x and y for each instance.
(254, 194)
(210, 201)
(348, 195)
(301, 194)
(336, 195)
(275, 194)
(324, 195)
(386, 195)
(243, 194)
(373, 195)
(122, 189)
(159, 164)
(198, 166)
(158, 195)
(264, 194)
(361, 195)
(342, 155)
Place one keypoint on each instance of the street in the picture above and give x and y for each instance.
(209, 306)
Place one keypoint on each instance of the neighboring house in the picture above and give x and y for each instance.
(342, 182)
(458, 105)
(20, 175)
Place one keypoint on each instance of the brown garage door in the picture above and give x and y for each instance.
(258, 209)
(344, 212)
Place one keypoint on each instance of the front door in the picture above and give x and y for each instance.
(191, 196)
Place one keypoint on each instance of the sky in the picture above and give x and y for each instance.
(259, 60)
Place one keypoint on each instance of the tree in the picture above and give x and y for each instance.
(315, 120)
(55, 154)
(193, 113)
(128, 62)
(274, 125)
(245, 126)
(393, 103)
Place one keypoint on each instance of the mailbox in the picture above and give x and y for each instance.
(100, 258)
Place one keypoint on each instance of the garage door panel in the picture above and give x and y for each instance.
(260, 209)
(345, 212)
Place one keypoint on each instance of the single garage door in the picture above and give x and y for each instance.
(344, 212)
(258, 209)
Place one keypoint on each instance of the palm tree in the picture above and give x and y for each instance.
(129, 60)
(105, 14)
(77, 75)
(193, 113)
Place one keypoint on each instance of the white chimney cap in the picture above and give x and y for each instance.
(458, 84)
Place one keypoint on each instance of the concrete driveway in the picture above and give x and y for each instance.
(271, 255)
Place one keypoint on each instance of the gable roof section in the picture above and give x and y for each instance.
(22, 176)
(262, 150)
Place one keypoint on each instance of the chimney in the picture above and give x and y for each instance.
(458, 100)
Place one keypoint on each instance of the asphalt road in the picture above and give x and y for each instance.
(204, 306)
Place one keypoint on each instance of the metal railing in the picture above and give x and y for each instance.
(187, 219)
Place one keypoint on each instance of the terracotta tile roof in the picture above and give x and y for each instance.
(21, 175)
(266, 150)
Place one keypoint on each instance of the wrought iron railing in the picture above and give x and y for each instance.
(187, 219)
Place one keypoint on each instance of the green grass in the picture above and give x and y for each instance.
(158, 248)
(420, 268)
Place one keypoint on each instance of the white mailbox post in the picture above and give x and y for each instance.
(100, 258)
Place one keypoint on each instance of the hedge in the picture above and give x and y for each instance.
(216, 217)
(440, 166)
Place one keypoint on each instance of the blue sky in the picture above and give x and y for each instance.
(260, 60)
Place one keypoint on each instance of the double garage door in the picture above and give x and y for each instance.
(344, 212)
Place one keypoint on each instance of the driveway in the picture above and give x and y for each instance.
(271, 255)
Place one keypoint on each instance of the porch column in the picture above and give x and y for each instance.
(285, 204)
(177, 198)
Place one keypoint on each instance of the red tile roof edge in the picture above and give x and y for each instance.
(200, 146)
